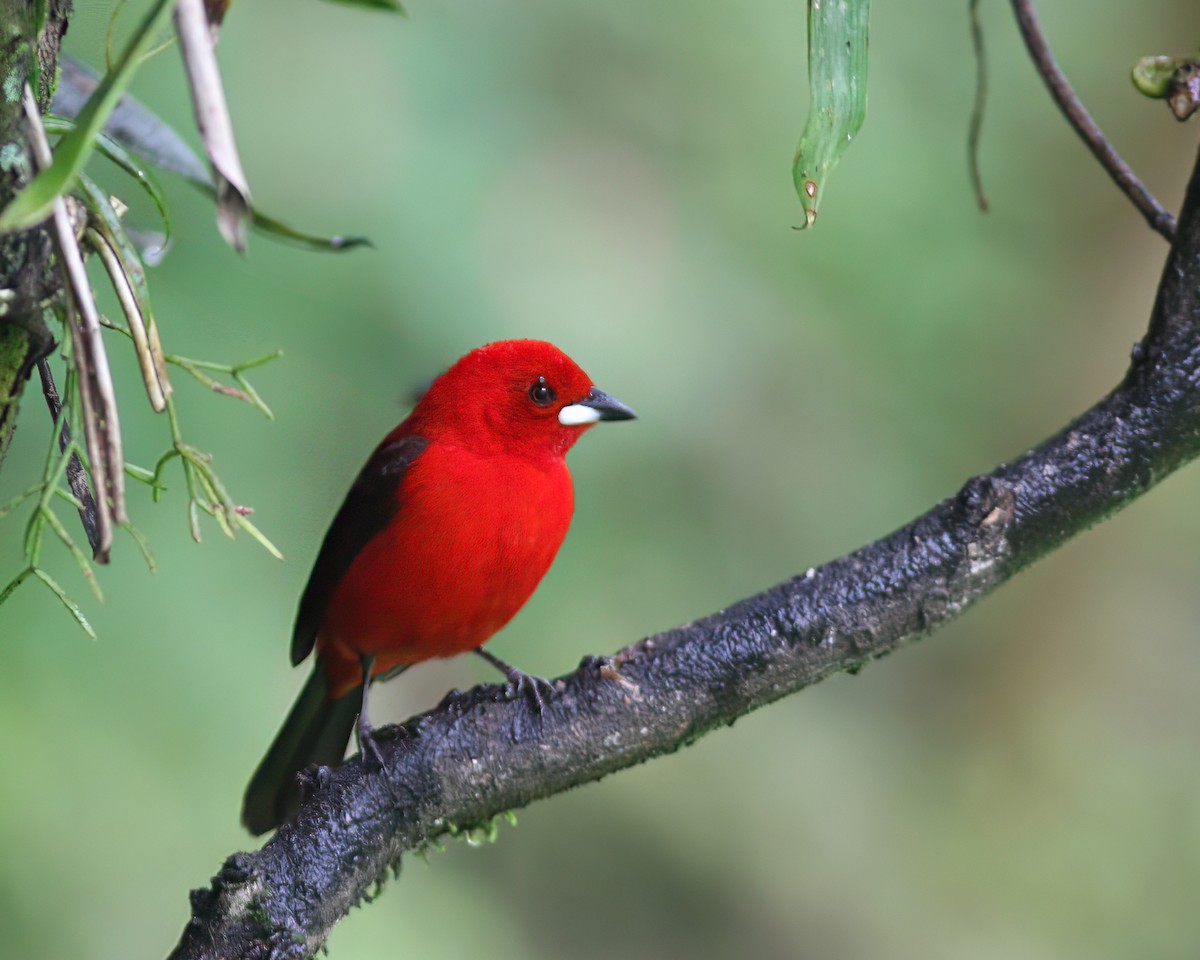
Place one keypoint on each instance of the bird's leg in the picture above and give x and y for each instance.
(538, 689)
(366, 733)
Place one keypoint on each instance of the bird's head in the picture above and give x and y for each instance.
(522, 396)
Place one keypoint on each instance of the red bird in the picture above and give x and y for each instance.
(444, 535)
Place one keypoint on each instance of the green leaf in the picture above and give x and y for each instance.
(108, 222)
(85, 565)
(259, 536)
(131, 124)
(143, 545)
(310, 241)
(15, 582)
(19, 499)
(148, 137)
(34, 202)
(133, 165)
(143, 475)
(837, 91)
(392, 6)
(247, 393)
(71, 605)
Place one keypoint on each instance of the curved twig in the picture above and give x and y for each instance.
(1075, 112)
(476, 755)
(975, 131)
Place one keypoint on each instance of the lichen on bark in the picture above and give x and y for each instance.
(30, 34)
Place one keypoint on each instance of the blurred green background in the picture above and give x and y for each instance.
(614, 176)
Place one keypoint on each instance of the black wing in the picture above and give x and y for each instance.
(368, 508)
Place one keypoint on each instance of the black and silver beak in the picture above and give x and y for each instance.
(596, 406)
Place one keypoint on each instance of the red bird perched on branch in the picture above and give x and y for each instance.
(442, 538)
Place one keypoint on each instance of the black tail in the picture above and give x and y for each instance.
(316, 731)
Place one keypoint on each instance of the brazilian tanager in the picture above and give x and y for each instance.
(443, 536)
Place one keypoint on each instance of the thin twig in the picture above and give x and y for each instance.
(101, 427)
(76, 475)
(976, 128)
(1060, 89)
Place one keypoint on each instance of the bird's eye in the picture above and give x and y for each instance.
(541, 392)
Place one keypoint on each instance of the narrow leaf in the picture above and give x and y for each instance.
(19, 499)
(251, 395)
(258, 535)
(131, 124)
(143, 545)
(66, 601)
(136, 168)
(57, 526)
(391, 6)
(144, 133)
(837, 91)
(194, 519)
(310, 241)
(107, 221)
(143, 475)
(133, 165)
(15, 582)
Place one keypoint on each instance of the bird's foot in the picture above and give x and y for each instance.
(371, 754)
(537, 689)
(521, 684)
(368, 745)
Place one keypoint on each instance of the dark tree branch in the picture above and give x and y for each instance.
(1077, 115)
(476, 755)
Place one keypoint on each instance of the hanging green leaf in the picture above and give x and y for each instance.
(146, 136)
(33, 203)
(392, 6)
(131, 124)
(837, 90)
(107, 220)
(133, 165)
(66, 601)
(309, 241)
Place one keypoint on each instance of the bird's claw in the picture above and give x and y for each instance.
(520, 683)
(537, 689)
(368, 745)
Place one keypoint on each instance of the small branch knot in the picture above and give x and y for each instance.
(236, 869)
(988, 505)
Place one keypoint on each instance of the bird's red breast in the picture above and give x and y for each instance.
(472, 540)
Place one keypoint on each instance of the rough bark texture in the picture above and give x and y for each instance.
(26, 281)
(477, 755)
